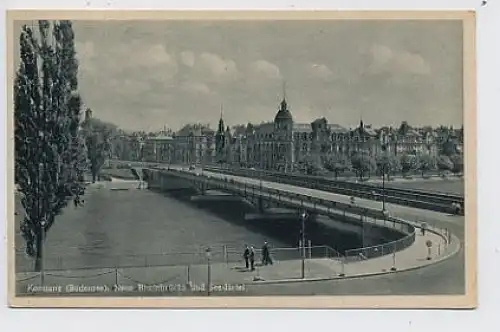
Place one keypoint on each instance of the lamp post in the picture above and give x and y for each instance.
(209, 271)
(384, 170)
(203, 147)
(303, 241)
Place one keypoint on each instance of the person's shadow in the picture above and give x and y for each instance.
(244, 269)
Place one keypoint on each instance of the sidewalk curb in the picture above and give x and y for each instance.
(362, 275)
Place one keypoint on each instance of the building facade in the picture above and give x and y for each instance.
(283, 144)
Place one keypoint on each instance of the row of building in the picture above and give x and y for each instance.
(282, 143)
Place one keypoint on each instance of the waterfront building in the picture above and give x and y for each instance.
(283, 145)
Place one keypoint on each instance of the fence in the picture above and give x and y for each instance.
(218, 254)
(400, 244)
(137, 272)
(414, 198)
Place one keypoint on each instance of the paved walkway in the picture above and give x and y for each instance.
(233, 276)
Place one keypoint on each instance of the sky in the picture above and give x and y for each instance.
(144, 75)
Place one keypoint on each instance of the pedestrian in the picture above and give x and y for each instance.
(252, 259)
(423, 226)
(266, 254)
(246, 255)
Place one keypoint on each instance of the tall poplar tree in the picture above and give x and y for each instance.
(48, 146)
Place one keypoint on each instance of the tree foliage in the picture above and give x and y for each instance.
(336, 163)
(363, 165)
(408, 163)
(449, 148)
(427, 163)
(444, 163)
(48, 146)
(98, 137)
(387, 165)
(458, 163)
(309, 164)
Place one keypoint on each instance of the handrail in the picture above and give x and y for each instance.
(278, 194)
(219, 254)
(427, 201)
(309, 203)
(379, 250)
(339, 182)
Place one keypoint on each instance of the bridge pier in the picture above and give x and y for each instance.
(260, 204)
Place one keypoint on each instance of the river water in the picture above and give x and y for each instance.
(136, 227)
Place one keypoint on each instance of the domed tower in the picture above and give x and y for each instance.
(283, 137)
(283, 121)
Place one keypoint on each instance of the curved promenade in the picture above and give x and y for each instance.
(321, 273)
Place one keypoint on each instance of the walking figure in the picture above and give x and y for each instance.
(423, 227)
(266, 255)
(252, 259)
(246, 256)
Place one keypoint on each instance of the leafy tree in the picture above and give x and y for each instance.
(458, 163)
(388, 165)
(426, 163)
(449, 148)
(444, 164)
(309, 164)
(363, 165)
(408, 163)
(48, 145)
(404, 128)
(336, 164)
(98, 136)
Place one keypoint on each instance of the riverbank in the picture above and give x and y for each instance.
(138, 223)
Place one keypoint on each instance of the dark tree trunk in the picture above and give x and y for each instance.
(39, 251)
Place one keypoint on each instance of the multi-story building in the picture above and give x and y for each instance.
(193, 144)
(282, 144)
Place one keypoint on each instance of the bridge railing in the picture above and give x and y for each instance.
(316, 205)
(418, 199)
(285, 198)
(340, 184)
(218, 254)
(384, 248)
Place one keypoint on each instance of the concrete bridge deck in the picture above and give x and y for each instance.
(344, 200)
(300, 199)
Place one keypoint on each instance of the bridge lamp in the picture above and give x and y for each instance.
(208, 253)
(303, 240)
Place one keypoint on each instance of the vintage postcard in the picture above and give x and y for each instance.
(300, 159)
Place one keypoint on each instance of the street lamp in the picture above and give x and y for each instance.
(384, 170)
(208, 253)
(303, 241)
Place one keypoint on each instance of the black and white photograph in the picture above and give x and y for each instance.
(264, 159)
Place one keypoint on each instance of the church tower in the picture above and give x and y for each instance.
(282, 151)
(220, 139)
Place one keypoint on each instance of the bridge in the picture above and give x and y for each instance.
(420, 199)
(264, 194)
(439, 202)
